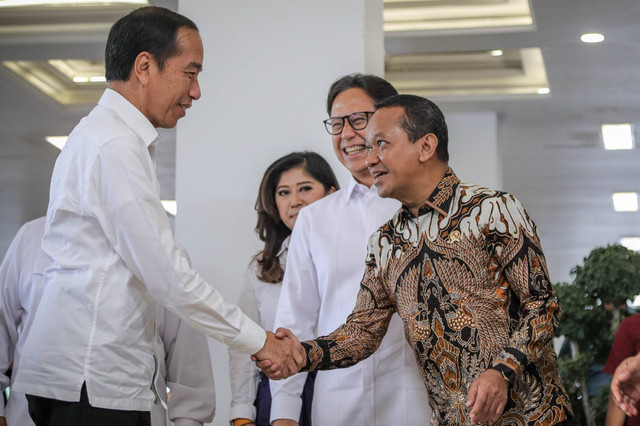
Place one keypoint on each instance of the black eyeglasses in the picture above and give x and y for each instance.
(357, 121)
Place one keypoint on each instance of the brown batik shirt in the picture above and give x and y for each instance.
(470, 282)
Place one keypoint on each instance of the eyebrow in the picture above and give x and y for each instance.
(374, 137)
(196, 65)
(306, 182)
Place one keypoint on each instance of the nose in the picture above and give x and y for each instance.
(347, 131)
(194, 90)
(296, 201)
(372, 158)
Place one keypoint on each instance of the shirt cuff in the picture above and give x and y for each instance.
(286, 407)
(251, 339)
(242, 411)
(186, 422)
(510, 362)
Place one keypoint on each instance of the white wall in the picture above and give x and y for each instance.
(267, 69)
(473, 148)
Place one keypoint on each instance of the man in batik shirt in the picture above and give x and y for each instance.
(463, 267)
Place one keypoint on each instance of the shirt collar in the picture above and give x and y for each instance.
(130, 115)
(355, 188)
(441, 197)
(285, 246)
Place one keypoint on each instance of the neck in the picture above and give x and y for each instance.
(363, 178)
(128, 91)
(424, 186)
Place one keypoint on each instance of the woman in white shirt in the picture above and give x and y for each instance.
(290, 183)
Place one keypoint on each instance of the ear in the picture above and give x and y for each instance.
(427, 145)
(331, 190)
(142, 67)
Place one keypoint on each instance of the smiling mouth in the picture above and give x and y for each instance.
(355, 149)
(185, 107)
(377, 174)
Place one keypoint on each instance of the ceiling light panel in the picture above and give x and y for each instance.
(60, 22)
(57, 141)
(469, 74)
(632, 243)
(170, 206)
(617, 136)
(67, 3)
(625, 201)
(68, 82)
(420, 16)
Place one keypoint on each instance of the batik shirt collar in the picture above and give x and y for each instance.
(439, 200)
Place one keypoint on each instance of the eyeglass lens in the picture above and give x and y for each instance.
(357, 121)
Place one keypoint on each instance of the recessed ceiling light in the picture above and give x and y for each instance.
(625, 201)
(543, 91)
(592, 38)
(26, 3)
(496, 52)
(617, 136)
(57, 141)
(68, 81)
(519, 72)
(170, 206)
(632, 243)
(442, 16)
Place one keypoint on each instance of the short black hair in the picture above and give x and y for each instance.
(377, 88)
(150, 29)
(421, 116)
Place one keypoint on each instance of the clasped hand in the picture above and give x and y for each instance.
(281, 356)
(487, 397)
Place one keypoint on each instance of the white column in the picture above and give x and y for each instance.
(267, 69)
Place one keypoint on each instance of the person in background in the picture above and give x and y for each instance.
(184, 364)
(289, 184)
(322, 279)
(625, 345)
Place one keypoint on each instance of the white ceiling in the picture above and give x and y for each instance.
(551, 152)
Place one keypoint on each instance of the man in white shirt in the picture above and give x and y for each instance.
(90, 356)
(322, 279)
(182, 352)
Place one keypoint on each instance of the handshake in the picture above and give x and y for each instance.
(281, 356)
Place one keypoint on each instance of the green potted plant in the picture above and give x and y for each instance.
(592, 307)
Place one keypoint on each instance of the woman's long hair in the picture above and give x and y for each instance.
(270, 227)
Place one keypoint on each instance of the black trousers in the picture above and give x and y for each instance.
(53, 412)
(263, 401)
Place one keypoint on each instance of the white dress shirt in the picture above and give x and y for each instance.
(113, 253)
(185, 368)
(325, 265)
(258, 300)
(182, 352)
(20, 291)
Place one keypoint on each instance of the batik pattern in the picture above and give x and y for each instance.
(473, 291)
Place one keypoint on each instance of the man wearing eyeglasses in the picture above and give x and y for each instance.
(322, 279)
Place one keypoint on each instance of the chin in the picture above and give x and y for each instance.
(382, 192)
